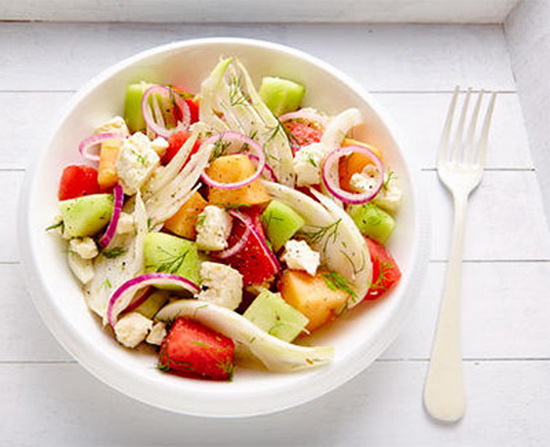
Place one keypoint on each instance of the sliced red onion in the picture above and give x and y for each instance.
(249, 224)
(235, 138)
(268, 173)
(159, 128)
(140, 298)
(308, 115)
(331, 177)
(124, 295)
(87, 144)
(236, 248)
(109, 234)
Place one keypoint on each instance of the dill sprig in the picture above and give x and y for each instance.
(336, 281)
(171, 263)
(114, 252)
(325, 233)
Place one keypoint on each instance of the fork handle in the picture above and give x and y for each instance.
(444, 392)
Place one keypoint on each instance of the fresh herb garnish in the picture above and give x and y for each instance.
(220, 148)
(326, 233)
(171, 263)
(391, 176)
(114, 252)
(336, 281)
(54, 226)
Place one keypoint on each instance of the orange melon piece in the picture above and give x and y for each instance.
(312, 297)
(232, 169)
(354, 163)
(107, 176)
(183, 223)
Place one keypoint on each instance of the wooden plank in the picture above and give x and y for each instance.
(10, 186)
(504, 312)
(505, 220)
(25, 336)
(215, 11)
(40, 56)
(527, 32)
(26, 123)
(501, 301)
(420, 118)
(28, 118)
(63, 405)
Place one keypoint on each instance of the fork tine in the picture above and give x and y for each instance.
(458, 140)
(469, 148)
(443, 152)
(483, 139)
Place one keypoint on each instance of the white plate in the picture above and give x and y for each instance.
(358, 337)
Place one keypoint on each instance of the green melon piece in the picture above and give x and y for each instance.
(171, 254)
(87, 215)
(153, 303)
(281, 95)
(132, 106)
(271, 313)
(280, 222)
(372, 221)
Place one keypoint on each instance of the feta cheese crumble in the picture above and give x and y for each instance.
(299, 255)
(125, 224)
(132, 329)
(136, 161)
(114, 125)
(85, 247)
(307, 164)
(157, 334)
(221, 285)
(213, 229)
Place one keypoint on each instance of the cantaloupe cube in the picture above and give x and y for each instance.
(312, 297)
(107, 176)
(354, 163)
(183, 223)
(232, 169)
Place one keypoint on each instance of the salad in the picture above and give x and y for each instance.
(221, 226)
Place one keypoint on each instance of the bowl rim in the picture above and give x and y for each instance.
(99, 366)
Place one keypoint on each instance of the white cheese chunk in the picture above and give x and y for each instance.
(132, 329)
(85, 247)
(390, 195)
(114, 125)
(157, 334)
(125, 224)
(136, 161)
(159, 145)
(365, 181)
(213, 229)
(307, 164)
(221, 285)
(298, 255)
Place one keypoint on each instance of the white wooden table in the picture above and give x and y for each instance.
(48, 399)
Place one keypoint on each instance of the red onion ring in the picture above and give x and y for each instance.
(86, 144)
(247, 221)
(180, 103)
(109, 234)
(305, 115)
(132, 286)
(239, 138)
(136, 302)
(332, 181)
(268, 173)
(237, 246)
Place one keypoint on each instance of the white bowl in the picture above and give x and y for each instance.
(358, 337)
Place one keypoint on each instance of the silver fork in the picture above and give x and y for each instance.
(460, 164)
